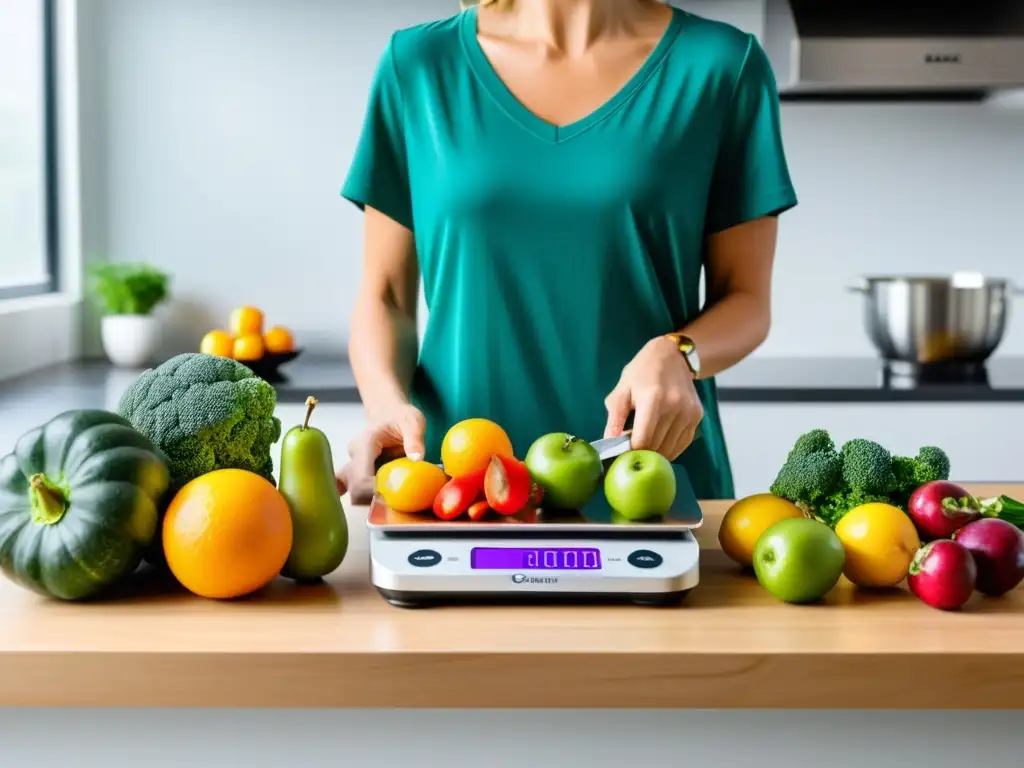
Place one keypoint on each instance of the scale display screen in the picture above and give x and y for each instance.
(530, 559)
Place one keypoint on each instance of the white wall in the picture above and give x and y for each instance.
(228, 125)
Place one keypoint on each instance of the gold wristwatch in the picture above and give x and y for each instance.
(688, 350)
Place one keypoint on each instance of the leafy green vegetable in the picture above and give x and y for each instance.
(831, 482)
(205, 413)
(128, 289)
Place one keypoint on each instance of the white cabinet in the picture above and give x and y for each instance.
(985, 442)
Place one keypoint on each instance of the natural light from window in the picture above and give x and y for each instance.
(23, 241)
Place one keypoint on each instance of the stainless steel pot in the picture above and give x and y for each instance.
(956, 318)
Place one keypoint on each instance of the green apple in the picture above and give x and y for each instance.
(567, 468)
(640, 484)
(798, 559)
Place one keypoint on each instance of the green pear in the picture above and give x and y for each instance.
(307, 482)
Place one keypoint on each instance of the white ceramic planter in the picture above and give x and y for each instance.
(130, 341)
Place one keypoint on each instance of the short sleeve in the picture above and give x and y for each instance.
(379, 174)
(751, 176)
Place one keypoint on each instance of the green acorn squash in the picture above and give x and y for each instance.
(78, 504)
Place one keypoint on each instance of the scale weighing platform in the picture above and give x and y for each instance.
(591, 555)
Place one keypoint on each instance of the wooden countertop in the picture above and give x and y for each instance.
(339, 644)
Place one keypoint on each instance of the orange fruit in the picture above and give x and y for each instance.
(246, 320)
(747, 519)
(468, 446)
(217, 343)
(248, 347)
(278, 340)
(409, 486)
(227, 533)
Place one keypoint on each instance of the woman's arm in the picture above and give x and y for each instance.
(738, 314)
(657, 383)
(382, 343)
(382, 350)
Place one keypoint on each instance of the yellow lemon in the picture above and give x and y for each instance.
(747, 519)
(409, 486)
(880, 541)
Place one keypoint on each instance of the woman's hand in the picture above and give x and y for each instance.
(391, 432)
(658, 386)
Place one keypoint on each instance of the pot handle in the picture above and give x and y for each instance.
(856, 289)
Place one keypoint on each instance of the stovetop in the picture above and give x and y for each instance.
(871, 380)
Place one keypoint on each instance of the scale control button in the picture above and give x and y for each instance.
(644, 558)
(424, 558)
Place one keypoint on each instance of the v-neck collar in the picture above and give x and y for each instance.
(496, 87)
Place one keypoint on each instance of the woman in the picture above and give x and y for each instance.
(560, 172)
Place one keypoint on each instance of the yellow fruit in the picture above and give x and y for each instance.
(217, 343)
(880, 541)
(747, 519)
(246, 320)
(278, 340)
(409, 486)
(248, 347)
(227, 533)
(469, 445)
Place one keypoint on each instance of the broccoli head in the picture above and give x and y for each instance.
(867, 467)
(813, 441)
(205, 413)
(812, 470)
(930, 464)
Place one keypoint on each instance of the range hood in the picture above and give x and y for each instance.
(879, 48)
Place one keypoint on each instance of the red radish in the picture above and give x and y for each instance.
(507, 485)
(478, 510)
(456, 496)
(939, 508)
(998, 549)
(943, 574)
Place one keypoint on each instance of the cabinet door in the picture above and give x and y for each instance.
(985, 442)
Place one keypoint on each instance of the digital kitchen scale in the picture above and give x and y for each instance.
(591, 555)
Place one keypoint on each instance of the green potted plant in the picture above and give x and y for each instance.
(127, 294)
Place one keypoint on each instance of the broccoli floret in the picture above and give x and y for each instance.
(813, 441)
(205, 413)
(932, 464)
(808, 477)
(867, 467)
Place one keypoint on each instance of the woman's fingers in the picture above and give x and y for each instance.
(645, 423)
(619, 405)
(414, 427)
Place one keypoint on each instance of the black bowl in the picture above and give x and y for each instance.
(267, 366)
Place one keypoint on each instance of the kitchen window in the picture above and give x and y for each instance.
(28, 172)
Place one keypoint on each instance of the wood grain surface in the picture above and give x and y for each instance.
(340, 644)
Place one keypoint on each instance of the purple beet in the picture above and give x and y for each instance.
(940, 508)
(998, 549)
(942, 574)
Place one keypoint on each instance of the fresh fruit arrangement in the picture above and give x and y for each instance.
(246, 339)
(895, 519)
(480, 477)
(180, 476)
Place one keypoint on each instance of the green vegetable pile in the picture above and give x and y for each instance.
(830, 482)
(205, 413)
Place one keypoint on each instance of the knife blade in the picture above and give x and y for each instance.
(610, 447)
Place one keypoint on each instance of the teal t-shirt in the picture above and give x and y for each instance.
(550, 255)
